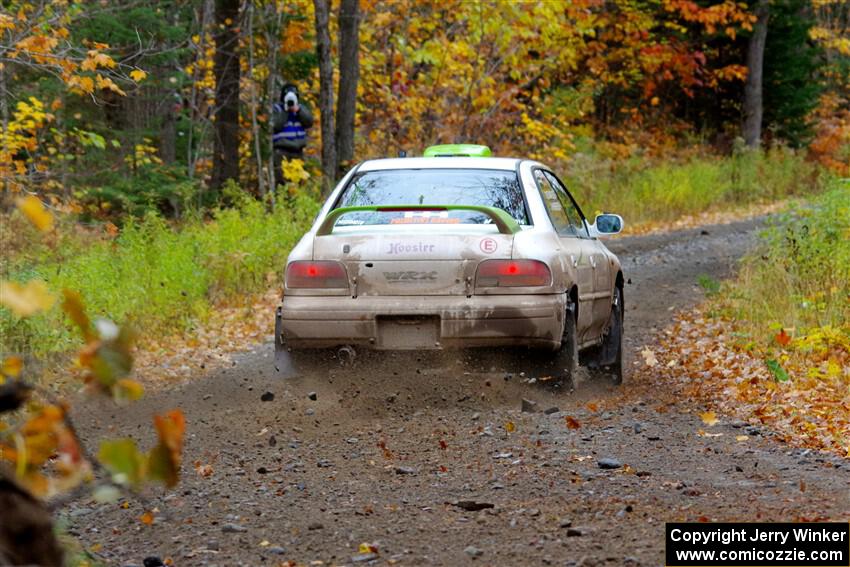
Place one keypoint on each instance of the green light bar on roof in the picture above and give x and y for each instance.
(458, 150)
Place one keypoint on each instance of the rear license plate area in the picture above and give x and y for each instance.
(408, 332)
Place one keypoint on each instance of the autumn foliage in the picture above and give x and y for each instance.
(773, 347)
(109, 113)
(41, 445)
(541, 79)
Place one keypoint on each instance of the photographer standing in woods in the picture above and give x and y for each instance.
(290, 122)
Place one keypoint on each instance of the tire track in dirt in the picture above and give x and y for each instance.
(384, 450)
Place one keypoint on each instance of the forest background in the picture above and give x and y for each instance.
(136, 164)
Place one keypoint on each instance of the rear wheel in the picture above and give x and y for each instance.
(610, 354)
(562, 364)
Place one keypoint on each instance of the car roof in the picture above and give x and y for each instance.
(506, 164)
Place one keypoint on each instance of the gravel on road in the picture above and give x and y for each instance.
(431, 460)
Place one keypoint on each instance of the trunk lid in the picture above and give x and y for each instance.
(413, 260)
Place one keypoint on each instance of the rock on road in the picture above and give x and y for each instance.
(432, 464)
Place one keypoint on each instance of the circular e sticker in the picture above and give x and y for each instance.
(488, 245)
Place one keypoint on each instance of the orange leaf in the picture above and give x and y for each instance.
(572, 423)
(164, 459)
(783, 338)
(12, 366)
(146, 518)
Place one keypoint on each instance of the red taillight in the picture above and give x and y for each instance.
(321, 275)
(512, 273)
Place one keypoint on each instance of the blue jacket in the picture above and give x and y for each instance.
(290, 128)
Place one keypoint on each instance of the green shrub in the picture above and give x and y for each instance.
(799, 278)
(152, 188)
(644, 191)
(159, 277)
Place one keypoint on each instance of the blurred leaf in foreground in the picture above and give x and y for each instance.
(32, 208)
(129, 466)
(25, 300)
(164, 460)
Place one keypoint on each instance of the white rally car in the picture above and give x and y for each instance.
(454, 251)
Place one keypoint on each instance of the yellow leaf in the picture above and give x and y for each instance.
(510, 427)
(293, 170)
(649, 357)
(127, 390)
(32, 208)
(709, 418)
(138, 75)
(85, 84)
(26, 300)
(742, 438)
(108, 84)
(367, 548)
(12, 367)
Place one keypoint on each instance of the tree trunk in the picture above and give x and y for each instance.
(226, 65)
(26, 528)
(256, 132)
(168, 130)
(349, 74)
(753, 108)
(272, 36)
(326, 93)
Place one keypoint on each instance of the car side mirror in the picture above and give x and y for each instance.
(607, 224)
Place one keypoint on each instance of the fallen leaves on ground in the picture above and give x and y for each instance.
(801, 392)
(704, 219)
(229, 329)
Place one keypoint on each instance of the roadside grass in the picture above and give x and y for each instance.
(710, 285)
(160, 278)
(773, 345)
(656, 192)
(798, 280)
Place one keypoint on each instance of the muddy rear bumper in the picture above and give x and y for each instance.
(413, 323)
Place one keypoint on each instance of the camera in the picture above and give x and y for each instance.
(290, 100)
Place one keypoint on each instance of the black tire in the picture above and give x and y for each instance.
(610, 354)
(562, 364)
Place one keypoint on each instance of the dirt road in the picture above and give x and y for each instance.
(395, 455)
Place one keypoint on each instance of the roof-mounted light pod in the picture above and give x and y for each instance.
(458, 150)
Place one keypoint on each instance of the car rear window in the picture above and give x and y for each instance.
(482, 187)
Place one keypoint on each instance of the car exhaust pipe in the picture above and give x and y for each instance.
(346, 355)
